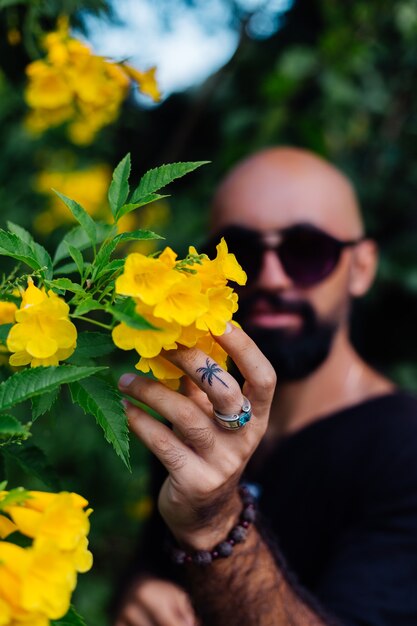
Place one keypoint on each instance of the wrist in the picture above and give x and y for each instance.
(204, 545)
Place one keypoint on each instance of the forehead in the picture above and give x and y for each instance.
(264, 197)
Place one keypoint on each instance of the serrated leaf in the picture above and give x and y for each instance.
(83, 218)
(125, 312)
(11, 427)
(34, 256)
(78, 238)
(159, 177)
(43, 403)
(65, 284)
(96, 397)
(119, 187)
(136, 235)
(15, 496)
(114, 266)
(87, 305)
(22, 233)
(34, 462)
(105, 252)
(77, 257)
(131, 206)
(4, 332)
(36, 380)
(92, 345)
(72, 618)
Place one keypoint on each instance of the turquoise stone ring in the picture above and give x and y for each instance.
(234, 421)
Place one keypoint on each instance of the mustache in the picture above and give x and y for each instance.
(277, 303)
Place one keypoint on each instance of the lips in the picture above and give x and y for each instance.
(265, 315)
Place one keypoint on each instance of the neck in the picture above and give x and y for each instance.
(342, 380)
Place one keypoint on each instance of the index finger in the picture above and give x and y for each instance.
(257, 371)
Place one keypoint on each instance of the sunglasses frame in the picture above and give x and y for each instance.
(282, 235)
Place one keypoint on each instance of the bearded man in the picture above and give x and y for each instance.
(330, 452)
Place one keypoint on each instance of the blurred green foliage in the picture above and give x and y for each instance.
(337, 78)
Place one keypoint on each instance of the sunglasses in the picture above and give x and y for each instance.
(307, 254)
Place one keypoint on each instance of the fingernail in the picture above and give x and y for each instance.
(126, 379)
(229, 328)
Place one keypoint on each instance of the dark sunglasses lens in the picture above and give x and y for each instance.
(244, 244)
(308, 256)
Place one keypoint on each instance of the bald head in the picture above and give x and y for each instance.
(278, 187)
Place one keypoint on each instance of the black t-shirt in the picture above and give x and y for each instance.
(340, 497)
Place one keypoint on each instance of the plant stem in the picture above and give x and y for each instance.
(87, 319)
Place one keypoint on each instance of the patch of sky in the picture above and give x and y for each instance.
(187, 40)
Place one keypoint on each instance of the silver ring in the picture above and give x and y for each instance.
(234, 420)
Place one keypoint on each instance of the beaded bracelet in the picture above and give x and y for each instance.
(223, 549)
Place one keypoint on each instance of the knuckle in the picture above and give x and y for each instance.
(172, 455)
(268, 380)
(201, 437)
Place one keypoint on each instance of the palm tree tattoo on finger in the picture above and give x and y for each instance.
(210, 372)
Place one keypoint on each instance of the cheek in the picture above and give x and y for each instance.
(331, 298)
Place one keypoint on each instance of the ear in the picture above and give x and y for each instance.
(363, 267)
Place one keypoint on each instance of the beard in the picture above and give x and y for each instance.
(294, 354)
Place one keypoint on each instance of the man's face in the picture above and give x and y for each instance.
(293, 325)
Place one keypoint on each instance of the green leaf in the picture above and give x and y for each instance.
(43, 403)
(87, 305)
(131, 206)
(72, 618)
(11, 427)
(119, 188)
(22, 233)
(136, 235)
(15, 496)
(78, 238)
(77, 258)
(34, 255)
(68, 268)
(33, 461)
(4, 332)
(65, 284)
(36, 380)
(86, 222)
(108, 248)
(125, 312)
(159, 177)
(96, 397)
(92, 345)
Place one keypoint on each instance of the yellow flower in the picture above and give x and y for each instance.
(43, 334)
(146, 81)
(222, 305)
(7, 527)
(48, 87)
(72, 84)
(63, 521)
(147, 343)
(161, 368)
(218, 271)
(87, 186)
(7, 312)
(146, 279)
(183, 302)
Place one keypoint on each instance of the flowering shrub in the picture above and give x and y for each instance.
(73, 85)
(141, 303)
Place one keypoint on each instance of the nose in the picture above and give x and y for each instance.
(272, 275)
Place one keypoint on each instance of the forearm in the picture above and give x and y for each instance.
(248, 589)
